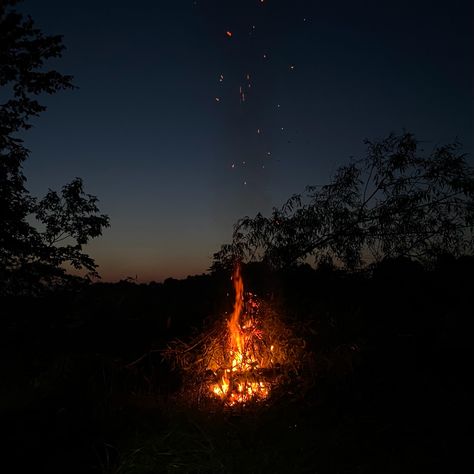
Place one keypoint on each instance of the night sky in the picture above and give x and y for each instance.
(176, 154)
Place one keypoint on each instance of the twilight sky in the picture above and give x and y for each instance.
(177, 153)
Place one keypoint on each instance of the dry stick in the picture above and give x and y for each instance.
(131, 364)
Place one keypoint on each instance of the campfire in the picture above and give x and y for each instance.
(246, 353)
(241, 359)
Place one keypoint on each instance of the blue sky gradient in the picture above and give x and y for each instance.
(145, 132)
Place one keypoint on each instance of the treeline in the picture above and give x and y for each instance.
(127, 318)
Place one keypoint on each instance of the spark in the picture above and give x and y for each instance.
(242, 94)
(229, 34)
(218, 99)
(221, 77)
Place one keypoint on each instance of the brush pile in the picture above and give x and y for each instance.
(242, 359)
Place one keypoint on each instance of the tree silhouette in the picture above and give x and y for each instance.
(29, 257)
(397, 202)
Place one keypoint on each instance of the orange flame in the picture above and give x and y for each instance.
(240, 380)
(234, 327)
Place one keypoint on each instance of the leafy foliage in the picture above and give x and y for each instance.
(396, 202)
(28, 256)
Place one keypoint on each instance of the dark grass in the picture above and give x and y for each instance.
(390, 393)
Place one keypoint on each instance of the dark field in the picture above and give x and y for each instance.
(389, 392)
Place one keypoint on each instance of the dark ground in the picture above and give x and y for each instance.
(390, 394)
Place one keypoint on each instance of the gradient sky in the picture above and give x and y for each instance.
(174, 168)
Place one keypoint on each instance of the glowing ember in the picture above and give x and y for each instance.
(241, 380)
